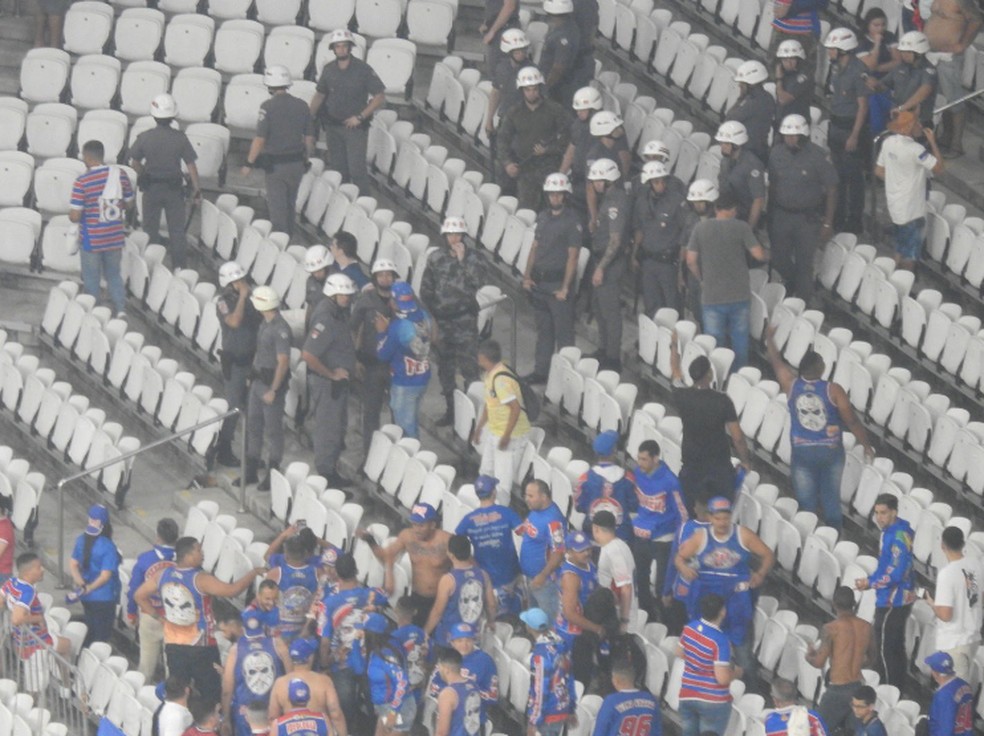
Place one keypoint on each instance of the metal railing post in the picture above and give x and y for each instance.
(242, 464)
(60, 487)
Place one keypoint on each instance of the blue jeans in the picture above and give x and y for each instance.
(816, 474)
(699, 717)
(104, 264)
(547, 598)
(728, 325)
(405, 404)
(908, 239)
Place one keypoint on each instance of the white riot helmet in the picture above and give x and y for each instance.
(657, 149)
(276, 76)
(453, 225)
(587, 98)
(557, 182)
(842, 39)
(751, 72)
(316, 258)
(794, 125)
(163, 107)
(342, 35)
(338, 284)
(558, 7)
(512, 39)
(702, 190)
(230, 272)
(383, 264)
(604, 169)
(914, 41)
(654, 170)
(790, 49)
(529, 76)
(264, 298)
(604, 122)
(733, 132)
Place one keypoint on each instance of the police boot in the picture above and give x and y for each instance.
(265, 483)
(225, 455)
(448, 419)
(252, 465)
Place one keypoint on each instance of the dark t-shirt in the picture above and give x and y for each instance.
(704, 413)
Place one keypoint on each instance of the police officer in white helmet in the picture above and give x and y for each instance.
(156, 155)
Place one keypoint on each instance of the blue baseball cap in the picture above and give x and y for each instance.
(252, 624)
(406, 301)
(462, 631)
(161, 691)
(375, 622)
(421, 513)
(606, 442)
(719, 505)
(485, 485)
(298, 691)
(98, 516)
(577, 541)
(330, 556)
(940, 662)
(302, 649)
(535, 618)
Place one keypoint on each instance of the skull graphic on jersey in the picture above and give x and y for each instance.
(811, 412)
(258, 672)
(470, 601)
(473, 713)
(179, 605)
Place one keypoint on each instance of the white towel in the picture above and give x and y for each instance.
(113, 189)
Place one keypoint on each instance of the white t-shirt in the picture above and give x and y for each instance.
(616, 569)
(907, 165)
(959, 585)
(173, 720)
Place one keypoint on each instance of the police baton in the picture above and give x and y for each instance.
(493, 149)
(958, 101)
(196, 202)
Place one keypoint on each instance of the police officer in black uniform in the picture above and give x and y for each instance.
(349, 91)
(500, 15)
(240, 322)
(505, 95)
(802, 199)
(755, 108)
(609, 248)
(156, 155)
(374, 300)
(268, 388)
(285, 140)
(742, 172)
(329, 352)
(847, 136)
(658, 219)
(587, 101)
(550, 272)
(794, 90)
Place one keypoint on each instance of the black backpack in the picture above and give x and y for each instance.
(531, 400)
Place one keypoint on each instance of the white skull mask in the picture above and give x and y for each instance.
(473, 713)
(470, 601)
(179, 605)
(811, 412)
(258, 672)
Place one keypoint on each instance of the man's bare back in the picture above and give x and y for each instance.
(847, 639)
(323, 696)
(946, 27)
(429, 559)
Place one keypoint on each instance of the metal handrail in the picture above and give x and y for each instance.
(60, 487)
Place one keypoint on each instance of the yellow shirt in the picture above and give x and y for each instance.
(497, 400)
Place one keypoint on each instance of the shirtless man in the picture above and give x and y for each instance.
(324, 699)
(427, 546)
(845, 642)
(950, 29)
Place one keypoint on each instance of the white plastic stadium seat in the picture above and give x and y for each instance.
(107, 126)
(87, 27)
(138, 34)
(142, 81)
(43, 75)
(188, 39)
(19, 232)
(289, 46)
(430, 22)
(393, 60)
(378, 18)
(278, 12)
(243, 96)
(196, 91)
(16, 173)
(238, 44)
(13, 121)
(95, 80)
(53, 182)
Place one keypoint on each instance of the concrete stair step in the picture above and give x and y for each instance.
(17, 29)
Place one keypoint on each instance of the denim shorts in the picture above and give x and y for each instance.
(407, 714)
(908, 239)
